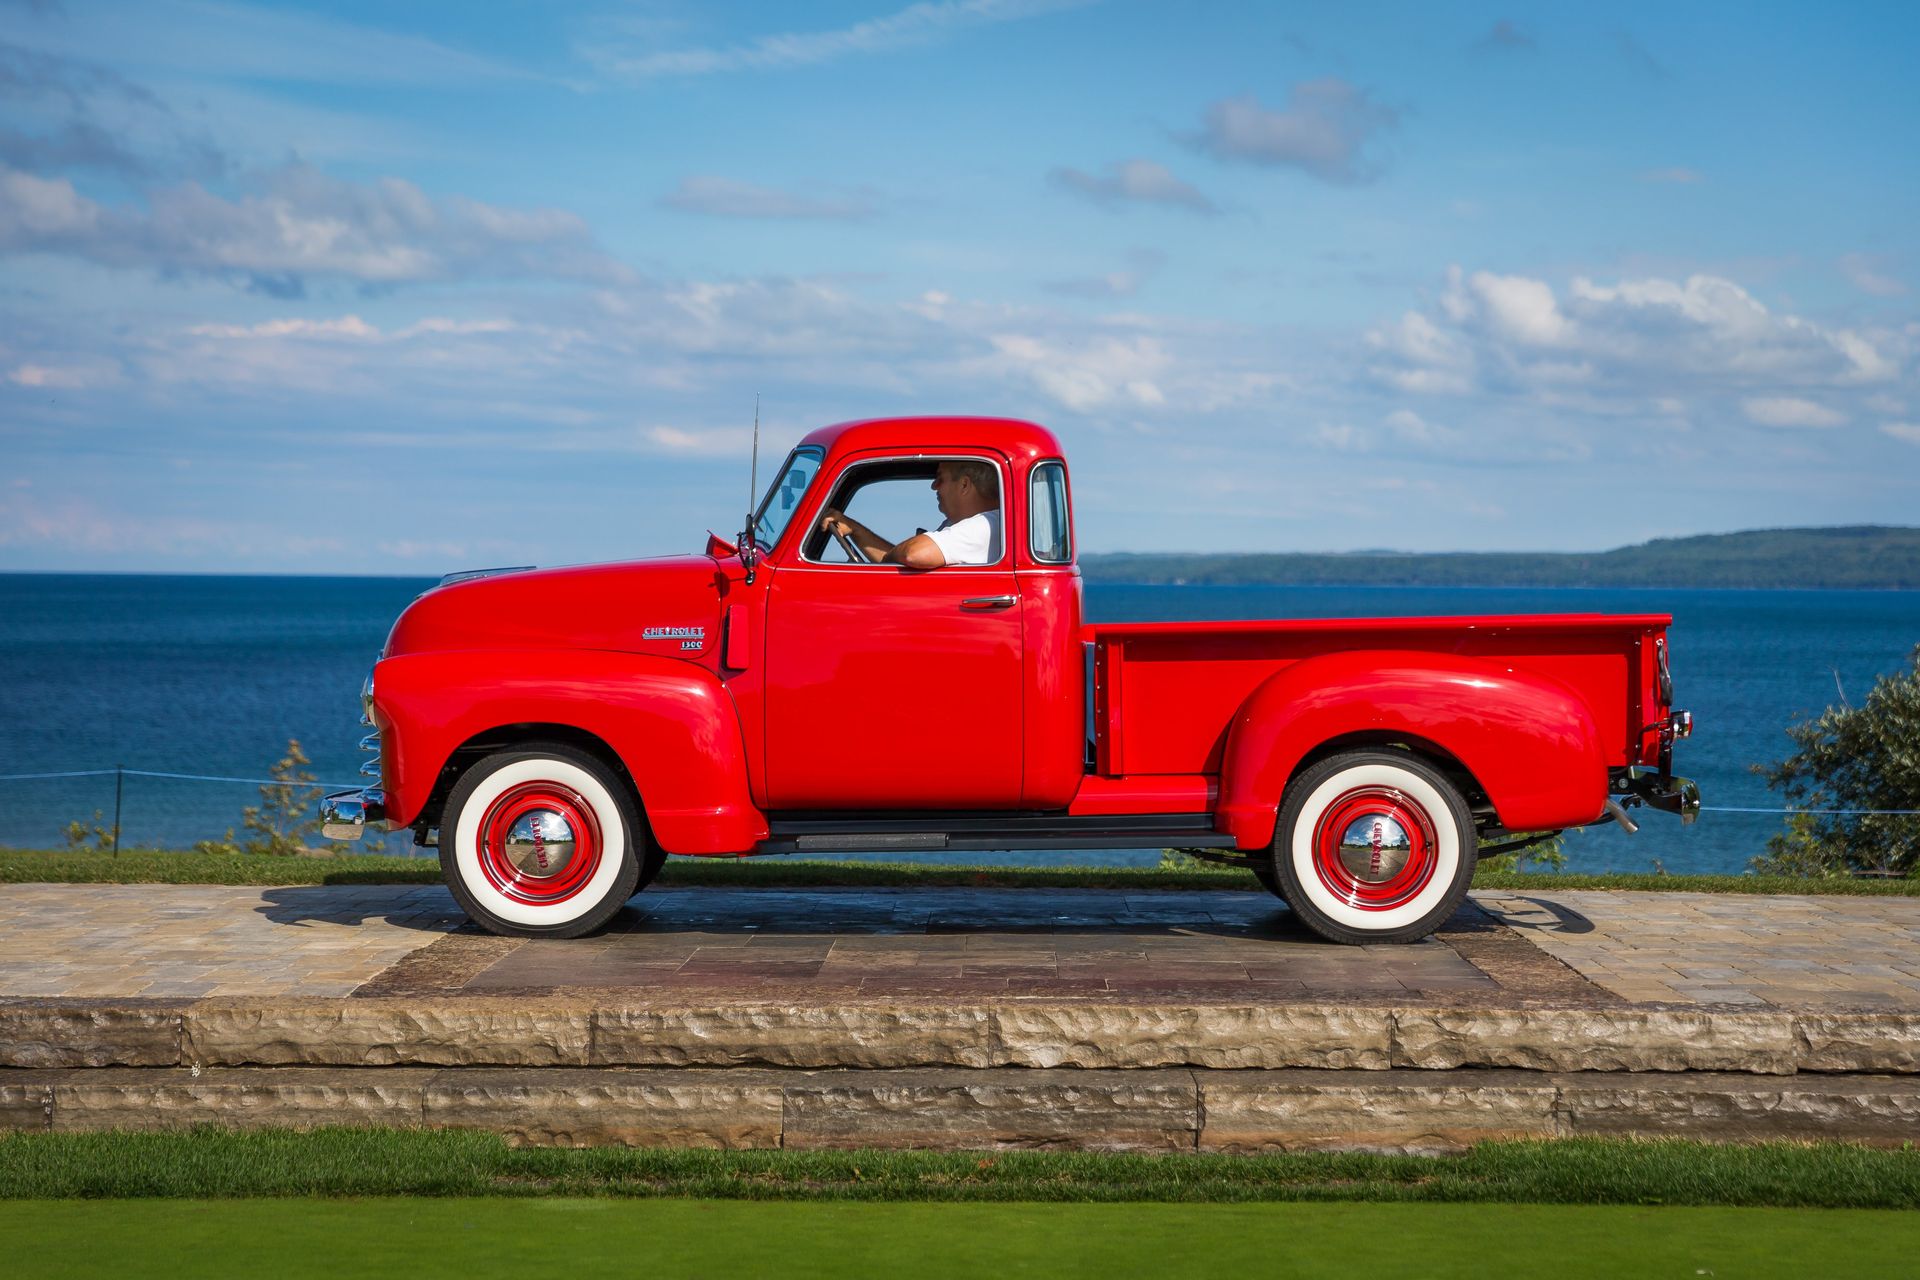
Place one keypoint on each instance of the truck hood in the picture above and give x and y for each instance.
(669, 606)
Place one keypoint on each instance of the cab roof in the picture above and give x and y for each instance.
(1021, 441)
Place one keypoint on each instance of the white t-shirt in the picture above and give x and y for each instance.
(975, 540)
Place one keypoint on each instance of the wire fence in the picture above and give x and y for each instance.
(120, 774)
(173, 821)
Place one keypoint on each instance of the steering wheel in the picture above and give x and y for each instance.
(854, 554)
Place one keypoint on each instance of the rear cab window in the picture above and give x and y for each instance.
(1049, 529)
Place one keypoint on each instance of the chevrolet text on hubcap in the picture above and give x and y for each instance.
(540, 843)
(543, 841)
(1374, 848)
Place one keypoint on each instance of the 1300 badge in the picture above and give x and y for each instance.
(689, 637)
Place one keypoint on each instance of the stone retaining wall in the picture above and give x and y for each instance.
(470, 1031)
(962, 1109)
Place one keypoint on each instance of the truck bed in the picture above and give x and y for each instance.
(1165, 693)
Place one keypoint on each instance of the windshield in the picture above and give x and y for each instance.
(783, 499)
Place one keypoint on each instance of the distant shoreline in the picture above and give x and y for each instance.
(1858, 557)
(1843, 558)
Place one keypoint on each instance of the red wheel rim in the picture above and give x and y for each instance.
(1359, 839)
(539, 843)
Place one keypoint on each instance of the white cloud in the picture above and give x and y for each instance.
(88, 372)
(1625, 343)
(237, 42)
(1094, 375)
(1908, 431)
(1789, 411)
(727, 198)
(1342, 437)
(1521, 310)
(349, 327)
(917, 24)
(299, 224)
(1324, 130)
(1869, 274)
(1410, 428)
(1135, 181)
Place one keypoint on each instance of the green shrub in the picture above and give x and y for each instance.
(1864, 757)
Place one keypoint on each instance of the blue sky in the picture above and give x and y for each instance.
(407, 289)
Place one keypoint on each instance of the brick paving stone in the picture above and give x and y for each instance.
(1512, 949)
(1794, 951)
(188, 940)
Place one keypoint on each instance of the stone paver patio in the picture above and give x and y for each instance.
(198, 940)
(1706, 948)
(1579, 947)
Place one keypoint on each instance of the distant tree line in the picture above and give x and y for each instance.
(1860, 556)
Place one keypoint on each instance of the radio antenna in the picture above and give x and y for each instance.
(753, 492)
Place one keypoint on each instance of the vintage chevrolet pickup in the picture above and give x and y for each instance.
(558, 732)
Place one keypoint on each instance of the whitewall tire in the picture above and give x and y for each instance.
(544, 841)
(1374, 846)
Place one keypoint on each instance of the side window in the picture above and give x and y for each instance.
(1047, 513)
(894, 497)
(783, 496)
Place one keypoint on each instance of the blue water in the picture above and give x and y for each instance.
(212, 675)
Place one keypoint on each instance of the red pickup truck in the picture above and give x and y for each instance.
(558, 732)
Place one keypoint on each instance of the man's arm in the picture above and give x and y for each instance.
(917, 552)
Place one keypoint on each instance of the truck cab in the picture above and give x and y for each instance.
(558, 733)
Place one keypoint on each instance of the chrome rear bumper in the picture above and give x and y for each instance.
(345, 815)
(1657, 790)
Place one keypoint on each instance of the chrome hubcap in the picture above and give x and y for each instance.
(539, 844)
(1374, 848)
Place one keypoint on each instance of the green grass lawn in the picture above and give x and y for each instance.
(599, 1237)
(220, 1163)
(161, 866)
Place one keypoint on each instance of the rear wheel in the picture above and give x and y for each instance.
(1264, 873)
(542, 842)
(1373, 846)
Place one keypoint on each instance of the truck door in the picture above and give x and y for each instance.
(892, 688)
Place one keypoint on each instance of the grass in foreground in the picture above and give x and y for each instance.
(163, 866)
(223, 1164)
(572, 1237)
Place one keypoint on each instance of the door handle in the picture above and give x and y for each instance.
(990, 602)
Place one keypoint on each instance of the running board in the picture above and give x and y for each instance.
(816, 832)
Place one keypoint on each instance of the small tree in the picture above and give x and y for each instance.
(1548, 855)
(1865, 757)
(286, 812)
(104, 837)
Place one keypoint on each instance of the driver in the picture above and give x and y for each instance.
(969, 497)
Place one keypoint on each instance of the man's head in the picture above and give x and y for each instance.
(966, 488)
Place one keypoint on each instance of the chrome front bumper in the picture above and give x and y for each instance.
(345, 815)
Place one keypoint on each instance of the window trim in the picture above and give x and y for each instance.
(998, 464)
(1035, 475)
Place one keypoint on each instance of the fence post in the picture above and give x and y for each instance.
(119, 777)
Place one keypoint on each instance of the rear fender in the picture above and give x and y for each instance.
(1530, 742)
(672, 724)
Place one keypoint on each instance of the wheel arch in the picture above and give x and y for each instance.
(667, 728)
(1413, 744)
(1522, 748)
(507, 737)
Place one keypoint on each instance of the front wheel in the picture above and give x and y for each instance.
(542, 842)
(1373, 846)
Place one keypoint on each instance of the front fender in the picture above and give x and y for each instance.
(1530, 742)
(671, 723)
